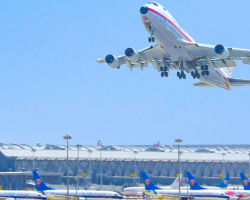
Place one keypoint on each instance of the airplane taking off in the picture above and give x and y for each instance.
(176, 50)
(41, 186)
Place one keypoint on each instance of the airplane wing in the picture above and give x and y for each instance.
(140, 59)
(205, 50)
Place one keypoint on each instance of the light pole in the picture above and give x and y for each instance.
(101, 165)
(67, 137)
(33, 151)
(224, 171)
(78, 146)
(179, 141)
(135, 152)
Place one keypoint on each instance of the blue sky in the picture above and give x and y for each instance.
(51, 85)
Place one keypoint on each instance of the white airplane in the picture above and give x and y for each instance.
(153, 190)
(176, 50)
(41, 186)
(17, 194)
(174, 185)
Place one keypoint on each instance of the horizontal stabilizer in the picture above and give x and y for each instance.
(100, 60)
(202, 84)
(238, 82)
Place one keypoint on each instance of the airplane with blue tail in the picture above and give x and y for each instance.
(153, 190)
(194, 184)
(41, 186)
(245, 181)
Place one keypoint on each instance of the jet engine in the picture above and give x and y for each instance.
(112, 61)
(221, 51)
(132, 54)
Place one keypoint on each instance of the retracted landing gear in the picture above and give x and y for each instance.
(181, 75)
(164, 71)
(195, 74)
(204, 69)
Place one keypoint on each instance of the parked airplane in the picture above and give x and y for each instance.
(17, 194)
(176, 50)
(41, 186)
(194, 185)
(174, 185)
(245, 181)
(197, 194)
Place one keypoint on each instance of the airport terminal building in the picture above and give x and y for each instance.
(115, 163)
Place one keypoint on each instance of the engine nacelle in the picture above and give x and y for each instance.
(112, 61)
(132, 54)
(221, 51)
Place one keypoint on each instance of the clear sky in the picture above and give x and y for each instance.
(51, 85)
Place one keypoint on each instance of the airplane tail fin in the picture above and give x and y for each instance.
(229, 71)
(245, 181)
(225, 182)
(194, 185)
(176, 182)
(149, 185)
(40, 184)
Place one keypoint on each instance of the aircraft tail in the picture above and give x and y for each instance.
(176, 182)
(225, 182)
(245, 181)
(40, 184)
(229, 71)
(149, 185)
(194, 185)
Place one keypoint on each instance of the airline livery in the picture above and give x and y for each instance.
(17, 194)
(176, 50)
(194, 185)
(174, 185)
(198, 194)
(41, 186)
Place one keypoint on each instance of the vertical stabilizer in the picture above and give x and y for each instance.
(176, 182)
(194, 185)
(228, 71)
(149, 185)
(40, 184)
(245, 181)
(225, 182)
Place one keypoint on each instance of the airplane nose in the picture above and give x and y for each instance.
(143, 9)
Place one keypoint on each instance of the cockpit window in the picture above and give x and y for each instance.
(153, 3)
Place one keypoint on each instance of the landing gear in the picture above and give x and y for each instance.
(181, 75)
(151, 39)
(195, 74)
(204, 69)
(164, 71)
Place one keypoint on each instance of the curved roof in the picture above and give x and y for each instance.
(216, 151)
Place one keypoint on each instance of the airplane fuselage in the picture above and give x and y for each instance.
(84, 193)
(172, 38)
(21, 194)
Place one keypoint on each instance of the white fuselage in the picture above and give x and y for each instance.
(21, 194)
(198, 194)
(84, 193)
(170, 36)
